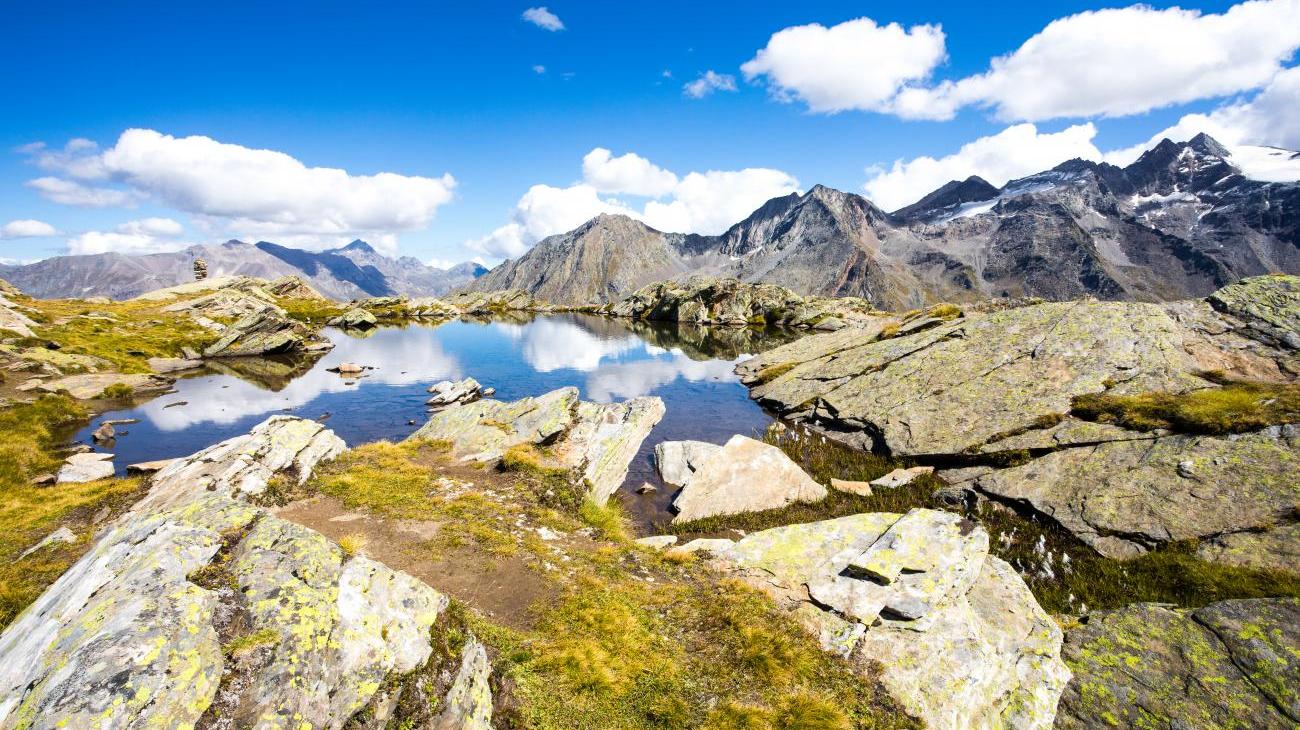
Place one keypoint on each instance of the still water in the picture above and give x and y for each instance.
(689, 367)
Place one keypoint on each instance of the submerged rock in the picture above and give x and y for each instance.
(129, 636)
(977, 651)
(1231, 664)
(676, 461)
(744, 476)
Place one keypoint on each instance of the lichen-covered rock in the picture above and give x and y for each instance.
(1123, 497)
(596, 440)
(1269, 306)
(708, 300)
(486, 429)
(86, 467)
(1231, 664)
(355, 318)
(264, 332)
(984, 654)
(92, 385)
(744, 476)
(605, 438)
(490, 302)
(678, 460)
(128, 637)
(468, 705)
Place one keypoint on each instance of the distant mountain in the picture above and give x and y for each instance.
(350, 272)
(1180, 222)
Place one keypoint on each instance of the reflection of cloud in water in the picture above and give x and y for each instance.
(400, 359)
(550, 345)
(631, 379)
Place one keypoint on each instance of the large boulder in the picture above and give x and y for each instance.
(954, 633)
(596, 440)
(86, 467)
(1231, 664)
(995, 390)
(678, 460)
(355, 318)
(744, 476)
(264, 332)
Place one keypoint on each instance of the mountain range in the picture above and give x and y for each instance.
(349, 272)
(1180, 222)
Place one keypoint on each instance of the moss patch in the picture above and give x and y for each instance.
(1234, 407)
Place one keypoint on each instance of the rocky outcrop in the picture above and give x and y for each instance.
(596, 440)
(355, 318)
(93, 385)
(496, 302)
(744, 476)
(10, 317)
(955, 635)
(707, 300)
(265, 332)
(997, 389)
(1232, 664)
(198, 604)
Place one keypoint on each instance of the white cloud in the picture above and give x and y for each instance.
(71, 192)
(252, 192)
(26, 228)
(700, 202)
(1271, 118)
(709, 82)
(1014, 152)
(854, 65)
(543, 18)
(629, 173)
(539, 69)
(146, 235)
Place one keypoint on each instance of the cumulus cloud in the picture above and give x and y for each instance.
(71, 192)
(245, 191)
(146, 235)
(539, 69)
(709, 82)
(629, 173)
(26, 228)
(1014, 152)
(699, 202)
(854, 65)
(543, 18)
(1103, 63)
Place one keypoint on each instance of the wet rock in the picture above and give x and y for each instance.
(1231, 664)
(744, 476)
(646, 488)
(450, 392)
(901, 477)
(355, 318)
(86, 467)
(676, 461)
(104, 433)
(981, 652)
(468, 705)
(61, 535)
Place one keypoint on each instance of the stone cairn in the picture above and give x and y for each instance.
(200, 269)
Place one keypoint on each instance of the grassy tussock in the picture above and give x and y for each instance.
(1232, 408)
(310, 311)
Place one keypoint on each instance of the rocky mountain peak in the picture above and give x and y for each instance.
(358, 246)
(951, 194)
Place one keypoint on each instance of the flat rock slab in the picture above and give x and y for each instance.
(901, 477)
(86, 467)
(148, 467)
(173, 364)
(1232, 664)
(676, 461)
(486, 429)
(92, 385)
(745, 476)
(604, 439)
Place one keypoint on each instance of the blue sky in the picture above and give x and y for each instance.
(427, 89)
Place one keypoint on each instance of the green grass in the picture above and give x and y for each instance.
(310, 311)
(28, 513)
(251, 641)
(117, 391)
(1234, 407)
(1037, 546)
(137, 331)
